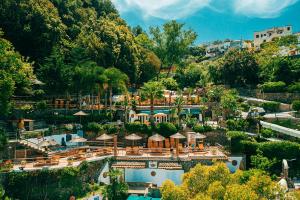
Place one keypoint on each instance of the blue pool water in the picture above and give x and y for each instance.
(141, 198)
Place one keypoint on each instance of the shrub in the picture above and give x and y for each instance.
(166, 129)
(267, 133)
(138, 127)
(296, 105)
(41, 105)
(294, 88)
(94, 127)
(273, 87)
(110, 129)
(245, 106)
(236, 137)
(202, 128)
(271, 106)
(237, 125)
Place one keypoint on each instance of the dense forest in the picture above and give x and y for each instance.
(85, 47)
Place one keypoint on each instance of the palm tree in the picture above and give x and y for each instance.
(152, 90)
(179, 101)
(101, 81)
(115, 79)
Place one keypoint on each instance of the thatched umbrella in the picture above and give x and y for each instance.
(104, 137)
(177, 136)
(157, 138)
(80, 114)
(133, 137)
(78, 140)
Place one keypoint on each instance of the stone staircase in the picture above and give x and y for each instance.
(32, 145)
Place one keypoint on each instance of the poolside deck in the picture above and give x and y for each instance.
(210, 153)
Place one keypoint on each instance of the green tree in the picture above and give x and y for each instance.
(261, 162)
(3, 139)
(152, 90)
(229, 104)
(16, 75)
(172, 43)
(116, 190)
(239, 68)
(116, 79)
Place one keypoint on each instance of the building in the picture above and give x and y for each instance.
(269, 34)
(220, 47)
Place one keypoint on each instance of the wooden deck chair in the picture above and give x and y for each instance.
(149, 143)
(172, 140)
(201, 147)
(167, 143)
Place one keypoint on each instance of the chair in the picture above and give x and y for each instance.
(172, 140)
(201, 147)
(39, 162)
(136, 150)
(128, 150)
(167, 143)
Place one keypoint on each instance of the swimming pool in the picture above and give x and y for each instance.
(132, 197)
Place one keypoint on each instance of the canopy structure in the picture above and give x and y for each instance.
(199, 136)
(281, 129)
(157, 138)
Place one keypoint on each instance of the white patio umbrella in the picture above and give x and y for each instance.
(133, 137)
(78, 140)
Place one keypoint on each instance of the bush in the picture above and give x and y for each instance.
(94, 127)
(236, 137)
(245, 106)
(271, 106)
(138, 127)
(273, 87)
(166, 129)
(296, 105)
(294, 88)
(202, 129)
(267, 133)
(110, 129)
(237, 125)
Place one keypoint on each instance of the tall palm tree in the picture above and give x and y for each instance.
(152, 90)
(115, 79)
(179, 101)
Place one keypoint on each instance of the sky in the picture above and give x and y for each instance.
(213, 19)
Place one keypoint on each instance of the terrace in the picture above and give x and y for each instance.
(125, 157)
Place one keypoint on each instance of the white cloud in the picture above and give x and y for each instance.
(261, 8)
(164, 9)
(175, 9)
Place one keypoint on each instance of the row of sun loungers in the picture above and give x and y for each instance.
(169, 165)
(124, 164)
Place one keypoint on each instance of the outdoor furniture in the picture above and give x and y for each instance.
(167, 143)
(98, 152)
(172, 140)
(201, 147)
(39, 162)
(108, 150)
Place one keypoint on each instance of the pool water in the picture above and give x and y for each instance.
(141, 198)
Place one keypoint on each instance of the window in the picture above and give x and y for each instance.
(257, 36)
(265, 40)
(288, 28)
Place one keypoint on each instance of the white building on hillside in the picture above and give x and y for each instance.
(269, 34)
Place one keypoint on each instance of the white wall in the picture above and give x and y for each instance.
(144, 175)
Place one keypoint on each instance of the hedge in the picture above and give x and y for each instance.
(271, 106)
(137, 127)
(296, 105)
(294, 88)
(166, 129)
(237, 125)
(274, 87)
(236, 137)
(202, 128)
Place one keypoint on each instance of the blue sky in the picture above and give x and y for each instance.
(213, 19)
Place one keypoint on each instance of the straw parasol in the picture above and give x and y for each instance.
(52, 142)
(157, 138)
(44, 143)
(133, 137)
(80, 114)
(104, 137)
(177, 136)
